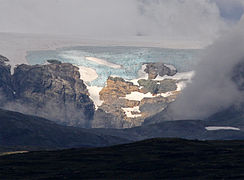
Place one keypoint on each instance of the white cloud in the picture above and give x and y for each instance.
(170, 19)
(212, 88)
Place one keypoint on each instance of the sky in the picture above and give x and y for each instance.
(166, 19)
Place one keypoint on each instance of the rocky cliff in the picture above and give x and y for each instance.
(6, 89)
(128, 103)
(53, 91)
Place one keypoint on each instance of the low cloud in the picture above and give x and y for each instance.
(213, 89)
(198, 20)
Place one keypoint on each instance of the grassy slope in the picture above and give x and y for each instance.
(155, 158)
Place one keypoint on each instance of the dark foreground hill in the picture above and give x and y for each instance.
(23, 132)
(149, 159)
(29, 132)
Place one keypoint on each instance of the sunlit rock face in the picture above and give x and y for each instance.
(129, 103)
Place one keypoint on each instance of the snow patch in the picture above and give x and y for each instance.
(94, 95)
(177, 76)
(103, 62)
(87, 74)
(128, 112)
(138, 96)
(181, 85)
(167, 94)
(214, 128)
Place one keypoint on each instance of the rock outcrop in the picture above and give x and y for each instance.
(157, 87)
(53, 91)
(161, 69)
(6, 90)
(126, 105)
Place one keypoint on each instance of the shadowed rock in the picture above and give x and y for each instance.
(53, 91)
(155, 69)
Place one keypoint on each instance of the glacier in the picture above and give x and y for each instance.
(120, 61)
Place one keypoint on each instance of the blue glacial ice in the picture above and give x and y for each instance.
(130, 59)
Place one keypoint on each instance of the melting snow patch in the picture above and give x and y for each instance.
(177, 76)
(94, 95)
(128, 112)
(167, 94)
(214, 128)
(103, 62)
(181, 85)
(138, 96)
(87, 74)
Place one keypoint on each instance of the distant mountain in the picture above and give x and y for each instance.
(30, 132)
(150, 159)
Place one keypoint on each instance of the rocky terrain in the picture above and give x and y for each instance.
(53, 91)
(129, 103)
(161, 69)
(56, 91)
(5, 80)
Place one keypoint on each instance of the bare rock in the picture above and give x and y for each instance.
(161, 69)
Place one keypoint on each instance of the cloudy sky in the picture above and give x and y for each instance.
(167, 19)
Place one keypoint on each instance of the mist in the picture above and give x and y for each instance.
(196, 20)
(212, 89)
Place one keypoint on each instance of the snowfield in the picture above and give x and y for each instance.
(215, 128)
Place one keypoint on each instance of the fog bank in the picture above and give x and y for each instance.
(212, 88)
(199, 20)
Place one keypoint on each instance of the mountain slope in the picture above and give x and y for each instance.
(150, 159)
(17, 129)
(187, 129)
(23, 132)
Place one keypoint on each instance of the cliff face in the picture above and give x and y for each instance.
(53, 91)
(6, 90)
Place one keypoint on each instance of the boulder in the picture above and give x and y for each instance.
(161, 69)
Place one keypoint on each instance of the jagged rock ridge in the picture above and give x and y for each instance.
(53, 91)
